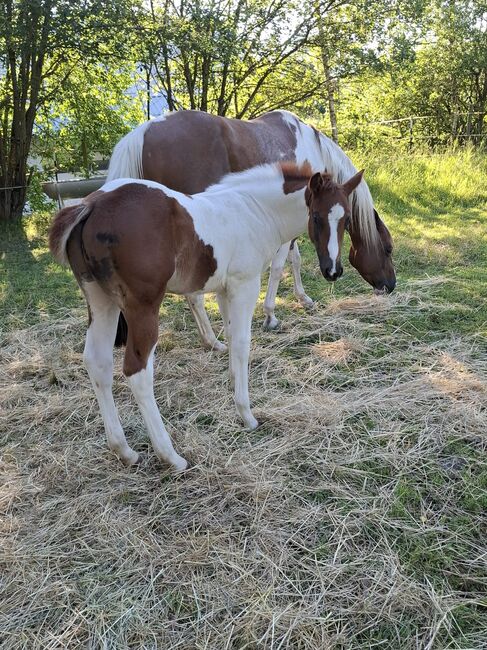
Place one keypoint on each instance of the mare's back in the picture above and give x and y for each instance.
(191, 150)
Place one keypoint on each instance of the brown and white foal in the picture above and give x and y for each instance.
(132, 241)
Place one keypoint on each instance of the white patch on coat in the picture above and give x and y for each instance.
(334, 216)
(307, 149)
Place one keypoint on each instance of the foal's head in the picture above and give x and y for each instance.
(329, 215)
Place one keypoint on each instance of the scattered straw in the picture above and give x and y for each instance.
(329, 526)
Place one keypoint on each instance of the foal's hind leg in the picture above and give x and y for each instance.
(98, 359)
(196, 303)
(142, 323)
(295, 259)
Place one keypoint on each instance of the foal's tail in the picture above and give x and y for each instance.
(64, 222)
(126, 160)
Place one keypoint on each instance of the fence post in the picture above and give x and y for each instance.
(411, 124)
(60, 202)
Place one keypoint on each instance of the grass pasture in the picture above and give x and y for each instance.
(354, 517)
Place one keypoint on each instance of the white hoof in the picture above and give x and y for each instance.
(179, 464)
(218, 346)
(251, 424)
(306, 301)
(215, 346)
(128, 458)
(271, 323)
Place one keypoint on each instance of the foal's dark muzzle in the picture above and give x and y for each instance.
(328, 274)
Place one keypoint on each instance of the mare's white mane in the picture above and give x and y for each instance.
(338, 164)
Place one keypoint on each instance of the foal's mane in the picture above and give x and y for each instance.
(295, 176)
(292, 171)
(259, 175)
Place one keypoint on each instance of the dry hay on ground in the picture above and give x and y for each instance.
(291, 536)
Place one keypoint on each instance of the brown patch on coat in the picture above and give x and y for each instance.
(191, 150)
(134, 240)
(137, 238)
(295, 176)
(195, 261)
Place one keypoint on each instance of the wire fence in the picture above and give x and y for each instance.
(430, 130)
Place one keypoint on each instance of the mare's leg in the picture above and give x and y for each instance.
(295, 259)
(241, 305)
(142, 324)
(196, 303)
(277, 266)
(98, 359)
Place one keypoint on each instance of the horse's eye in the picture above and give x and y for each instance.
(347, 222)
(388, 250)
(316, 217)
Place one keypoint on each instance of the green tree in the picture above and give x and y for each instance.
(41, 43)
(432, 67)
(228, 56)
(88, 118)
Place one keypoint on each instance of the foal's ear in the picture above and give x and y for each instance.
(316, 182)
(352, 183)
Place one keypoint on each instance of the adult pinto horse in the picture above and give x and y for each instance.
(133, 240)
(190, 150)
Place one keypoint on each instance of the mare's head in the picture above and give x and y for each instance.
(329, 216)
(372, 256)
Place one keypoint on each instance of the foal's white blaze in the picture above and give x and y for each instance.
(334, 216)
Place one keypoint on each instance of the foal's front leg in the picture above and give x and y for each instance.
(222, 300)
(241, 304)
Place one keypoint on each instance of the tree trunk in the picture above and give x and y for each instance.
(24, 67)
(14, 179)
(12, 205)
(205, 82)
(329, 81)
(330, 86)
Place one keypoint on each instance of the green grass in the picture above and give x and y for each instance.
(421, 500)
(434, 206)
